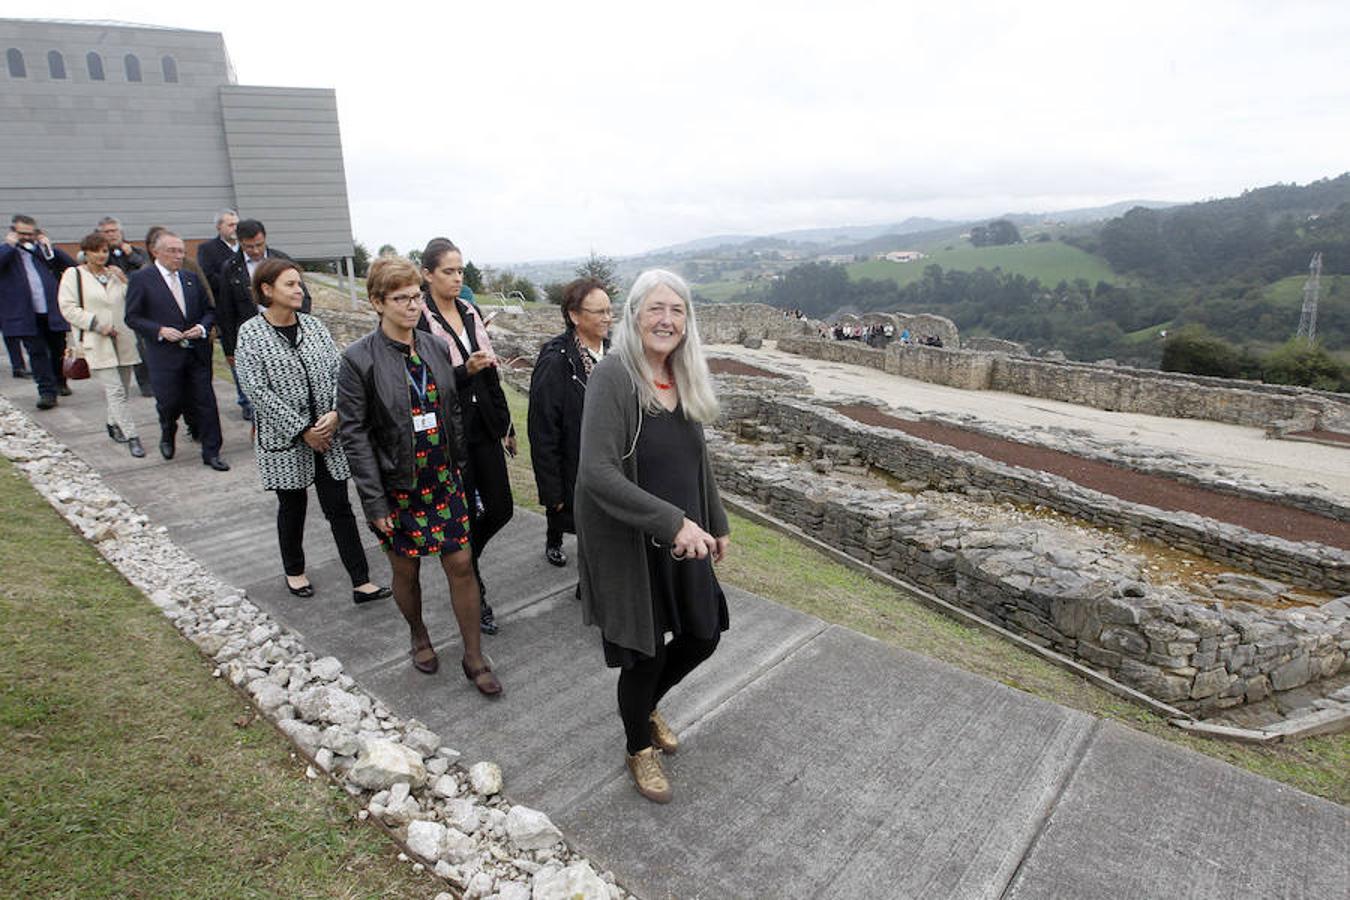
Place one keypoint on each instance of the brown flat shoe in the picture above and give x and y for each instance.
(648, 776)
(425, 660)
(482, 678)
(663, 738)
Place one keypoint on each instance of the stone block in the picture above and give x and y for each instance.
(1210, 682)
(1124, 640)
(1294, 673)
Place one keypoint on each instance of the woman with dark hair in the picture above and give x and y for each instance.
(557, 396)
(287, 366)
(487, 418)
(404, 435)
(93, 298)
(650, 522)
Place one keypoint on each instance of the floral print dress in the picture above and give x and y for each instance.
(433, 517)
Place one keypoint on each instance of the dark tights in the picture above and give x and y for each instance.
(407, 585)
(642, 685)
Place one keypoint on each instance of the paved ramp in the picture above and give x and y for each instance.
(816, 762)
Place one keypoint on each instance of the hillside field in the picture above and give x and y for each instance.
(1050, 262)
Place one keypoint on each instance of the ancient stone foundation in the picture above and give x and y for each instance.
(911, 458)
(1075, 599)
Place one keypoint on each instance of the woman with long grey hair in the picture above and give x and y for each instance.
(650, 523)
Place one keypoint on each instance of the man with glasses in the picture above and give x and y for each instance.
(169, 307)
(120, 252)
(30, 272)
(234, 296)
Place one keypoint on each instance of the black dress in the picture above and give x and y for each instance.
(686, 598)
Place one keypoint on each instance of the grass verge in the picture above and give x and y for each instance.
(129, 770)
(773, 565)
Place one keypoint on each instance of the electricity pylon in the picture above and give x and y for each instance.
(1307, 321)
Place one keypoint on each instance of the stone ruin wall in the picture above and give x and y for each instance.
(1073, 601)
(1120, 389)
(731, 323)
(910, 458)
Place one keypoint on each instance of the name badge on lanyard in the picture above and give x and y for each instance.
(426, 421)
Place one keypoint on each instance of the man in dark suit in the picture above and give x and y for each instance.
(170, 308)
(211, 255)
(30, 269)
(234, 299)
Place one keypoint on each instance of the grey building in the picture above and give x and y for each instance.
(148, 124)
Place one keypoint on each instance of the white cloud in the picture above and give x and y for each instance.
(537, 130)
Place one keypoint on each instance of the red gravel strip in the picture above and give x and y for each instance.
(1326, 437)
(720, 365)
(1127, 484)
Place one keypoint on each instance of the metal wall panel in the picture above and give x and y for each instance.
(286, 157)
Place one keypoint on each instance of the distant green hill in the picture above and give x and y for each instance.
(1050, 262)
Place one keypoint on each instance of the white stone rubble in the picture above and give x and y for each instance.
(398, 770)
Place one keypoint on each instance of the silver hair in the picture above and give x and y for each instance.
(109, 220)
(686, 362)
(222, 213)
(166, 233)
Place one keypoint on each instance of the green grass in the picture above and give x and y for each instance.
(129, 771)
(721, 291)
(1048, 261)
(773, 565)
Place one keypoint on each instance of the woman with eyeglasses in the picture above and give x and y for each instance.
(557, 397)
(401, 427)
(488, 430)
(650, 523)
(287, 365)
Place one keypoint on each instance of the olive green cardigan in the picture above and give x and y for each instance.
(616, 520)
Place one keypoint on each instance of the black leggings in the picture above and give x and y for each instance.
(642, 685)
(291, 506)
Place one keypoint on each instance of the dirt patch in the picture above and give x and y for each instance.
(719, 365)
(1127, 484)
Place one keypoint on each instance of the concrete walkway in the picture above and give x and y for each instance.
(816, 762)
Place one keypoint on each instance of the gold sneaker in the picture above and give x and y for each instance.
(662, 737)
(648, 776)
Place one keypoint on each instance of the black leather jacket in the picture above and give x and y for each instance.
(375, 417)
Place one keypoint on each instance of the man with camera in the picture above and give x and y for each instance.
(30, 272)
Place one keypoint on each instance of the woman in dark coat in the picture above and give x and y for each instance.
(649, 519)
(557, 396)
(403, 434)
(487, 418)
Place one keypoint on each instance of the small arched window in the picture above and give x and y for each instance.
(133, 67)
(170, 70)
(95, 64)
(14, 57)
(56, 64)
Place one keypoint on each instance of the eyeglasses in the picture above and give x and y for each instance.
(602, 313)
(404, 300)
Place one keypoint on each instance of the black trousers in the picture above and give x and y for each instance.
(182, 383)
(642, 685)
(486, 474)
(14, 346)
(45, 351)
(291, 508)
(559, 521)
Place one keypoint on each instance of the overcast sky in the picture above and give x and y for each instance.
(531, 130)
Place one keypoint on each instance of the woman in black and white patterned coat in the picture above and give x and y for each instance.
(287, 365)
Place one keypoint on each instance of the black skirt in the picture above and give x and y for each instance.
(686, 598)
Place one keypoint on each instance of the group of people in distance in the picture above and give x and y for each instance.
(414, 414)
